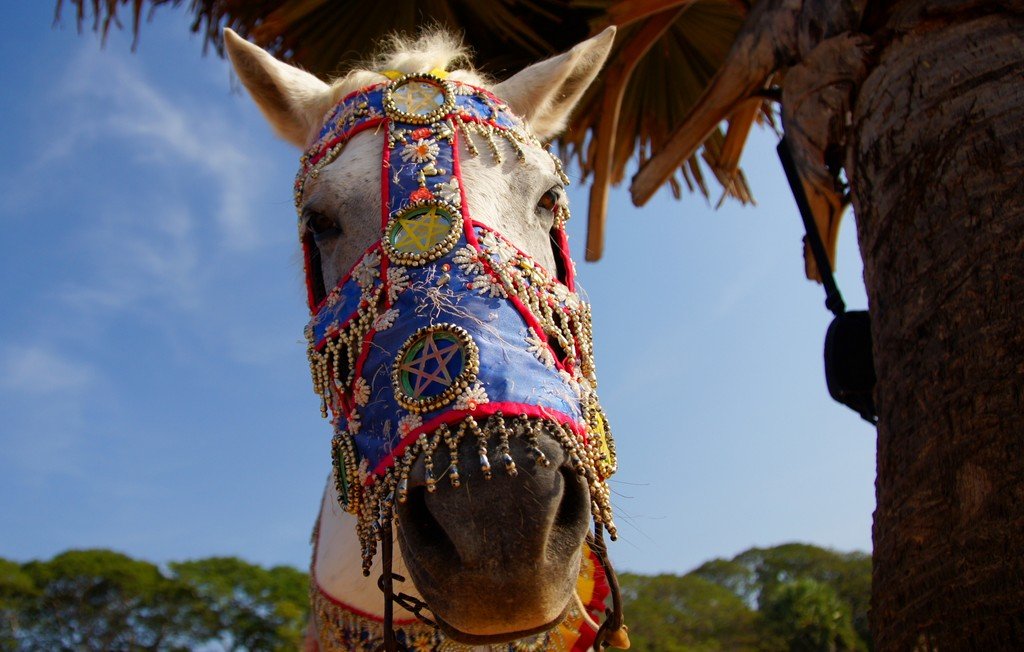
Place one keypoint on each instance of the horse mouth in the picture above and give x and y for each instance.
(498, 560)
(496, 639)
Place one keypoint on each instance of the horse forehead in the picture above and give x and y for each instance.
(511, 174)
(351, 184)
(352, 178)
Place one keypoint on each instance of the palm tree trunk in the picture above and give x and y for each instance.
(937, 170)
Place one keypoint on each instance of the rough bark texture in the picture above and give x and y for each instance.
(938, 177)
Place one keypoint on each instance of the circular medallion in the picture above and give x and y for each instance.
(418, 99)
(346, 473)
(423, 232)
(434, 366)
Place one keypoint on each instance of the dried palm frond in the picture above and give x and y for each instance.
(665, 54)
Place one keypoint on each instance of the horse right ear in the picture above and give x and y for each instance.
(293, 100)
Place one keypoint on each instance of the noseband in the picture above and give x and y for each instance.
(443, 330)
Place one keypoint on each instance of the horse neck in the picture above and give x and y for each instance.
(337, 563)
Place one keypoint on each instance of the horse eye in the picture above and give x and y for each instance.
(549, 200)
(319, 224)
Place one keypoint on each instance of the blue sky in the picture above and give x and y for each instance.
(154, 393)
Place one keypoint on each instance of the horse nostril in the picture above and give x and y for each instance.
(420, 529)
(574, 507)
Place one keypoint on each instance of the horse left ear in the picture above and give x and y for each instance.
(293, 101)
(545, 93)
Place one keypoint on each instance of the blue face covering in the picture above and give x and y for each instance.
(443, 329)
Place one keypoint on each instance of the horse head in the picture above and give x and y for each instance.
(447, 341)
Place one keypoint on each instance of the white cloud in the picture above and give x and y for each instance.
(104, 98)
(37, 369)
(128, 260)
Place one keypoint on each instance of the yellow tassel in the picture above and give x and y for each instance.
(440, 73)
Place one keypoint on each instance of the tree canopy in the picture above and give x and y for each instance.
(105, 600)
(792, 597)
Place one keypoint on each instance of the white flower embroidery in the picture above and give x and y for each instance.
(408, 423)
(449, 192)
(363, 471)
(361, 391)
(348, 114)
(539, 348)
(487, 284)
(398, 281)
(468, 260)
(497, 247)
(420, 151)
(586, 387)
(561, 292)
(472, 397)
(332, 298)
(367, 269)
(385, 320)
(354, 424)
(580, 385)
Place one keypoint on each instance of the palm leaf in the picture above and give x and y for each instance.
(670, 48)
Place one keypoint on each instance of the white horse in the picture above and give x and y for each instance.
(447, 337)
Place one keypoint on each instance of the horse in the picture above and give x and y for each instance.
(450, 350)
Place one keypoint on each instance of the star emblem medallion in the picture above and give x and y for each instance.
(418, 99)
(434, 366)
(423, 232)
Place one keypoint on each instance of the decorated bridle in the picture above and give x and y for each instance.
(444, 330)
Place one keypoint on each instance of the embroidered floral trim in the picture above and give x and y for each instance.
(472, 398)
(469, 260)
(420, 151)
(487, 284)
(408, 423)
(540, 348)
(398, 280)
(361, 391)
(450, 192)
(367, 270)
(354, 424)
(385, 320)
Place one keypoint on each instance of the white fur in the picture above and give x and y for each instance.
(338, 565)
(502, 195)
(545, 93)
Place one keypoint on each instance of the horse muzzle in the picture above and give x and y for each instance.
(496, 557)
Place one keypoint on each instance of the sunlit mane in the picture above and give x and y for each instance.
(431, 49)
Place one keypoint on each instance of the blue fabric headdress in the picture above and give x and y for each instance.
(443, 329)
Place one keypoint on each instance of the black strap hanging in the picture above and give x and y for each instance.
(849, 362)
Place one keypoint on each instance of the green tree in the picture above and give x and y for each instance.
(757, 572)
(17, 591)
(255, 608)
(104, 600)
(849, 574)
(805, 615)
(669, 613)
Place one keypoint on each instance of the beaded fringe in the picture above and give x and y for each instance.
(375, 501)
(342, 347)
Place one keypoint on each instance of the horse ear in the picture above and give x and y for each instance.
(293, 100)
(546, 92)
